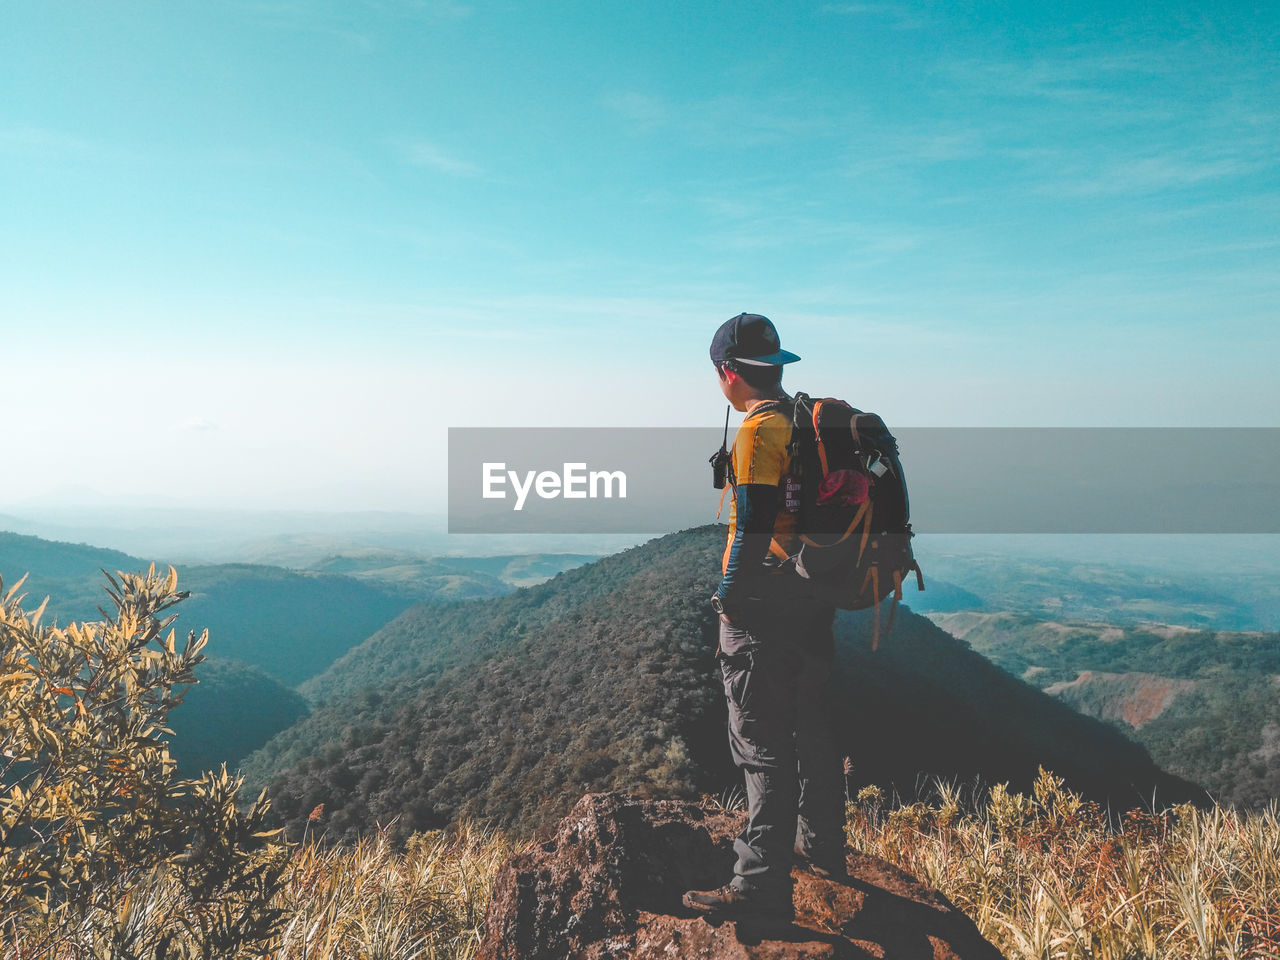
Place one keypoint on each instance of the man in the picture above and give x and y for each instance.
(776, 646)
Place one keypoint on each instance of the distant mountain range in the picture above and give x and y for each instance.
(1206, 704)
(270, 628)
(449, 578)
(386, 683)
(290, 623)
(1224, 590)
(296, 539)
(603, 678)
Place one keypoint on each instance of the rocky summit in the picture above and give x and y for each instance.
(610, 885)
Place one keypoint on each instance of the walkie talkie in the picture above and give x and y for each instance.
(720, 459)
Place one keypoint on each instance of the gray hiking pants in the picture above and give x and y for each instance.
(776, 662)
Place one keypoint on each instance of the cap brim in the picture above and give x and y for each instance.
(771, 360)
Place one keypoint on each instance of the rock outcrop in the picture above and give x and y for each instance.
(609, 886)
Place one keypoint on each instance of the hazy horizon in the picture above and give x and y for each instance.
(225, 535)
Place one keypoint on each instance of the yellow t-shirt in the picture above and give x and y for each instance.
(759, 455)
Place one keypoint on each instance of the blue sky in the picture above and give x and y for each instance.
(265, 253)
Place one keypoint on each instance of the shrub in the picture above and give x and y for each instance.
(90, 803)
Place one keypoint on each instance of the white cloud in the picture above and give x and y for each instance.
(1141, 175)
(1077, 75)
(639, 108)
(310, 12)
(900, 16)
(416, 9)
(199, 425)
(46, 143)
(420, 153)
(716, 121)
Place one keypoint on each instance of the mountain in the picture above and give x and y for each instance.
(292, 624)
(268, 628)
(295, 623)
(449, 578)
(70, 574)
(943, 596)
(1204, 703)
(232, 711)
(604, 678)
(1201, 581)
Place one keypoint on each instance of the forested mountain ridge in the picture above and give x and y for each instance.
(269, 627)
(232, 711)
(70, 574)
(291, 624)
(605, 678)
(1205, 703)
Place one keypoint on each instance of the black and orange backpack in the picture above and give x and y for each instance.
(854, 512)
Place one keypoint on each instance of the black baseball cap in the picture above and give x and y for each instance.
(749, 338)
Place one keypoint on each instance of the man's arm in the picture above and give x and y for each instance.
(757, 508)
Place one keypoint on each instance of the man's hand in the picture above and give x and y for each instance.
(718, 606)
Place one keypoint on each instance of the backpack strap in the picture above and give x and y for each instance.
(817, 433)
(864, 511)
(817, 428)
(866, 530)
(874, 574)
(798, 406)
(720, 507)
(767, 406)
(897, 597)
(731, 479)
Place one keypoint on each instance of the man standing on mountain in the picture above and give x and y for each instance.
(776, 646)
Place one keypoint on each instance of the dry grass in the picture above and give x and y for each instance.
(365, 902)
(1043, 875)
(425, 903)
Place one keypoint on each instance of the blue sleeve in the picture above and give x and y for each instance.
(757, 508)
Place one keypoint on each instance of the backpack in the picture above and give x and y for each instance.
(854, 512)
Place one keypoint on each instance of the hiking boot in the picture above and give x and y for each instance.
(829, 866)
(729, 901)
